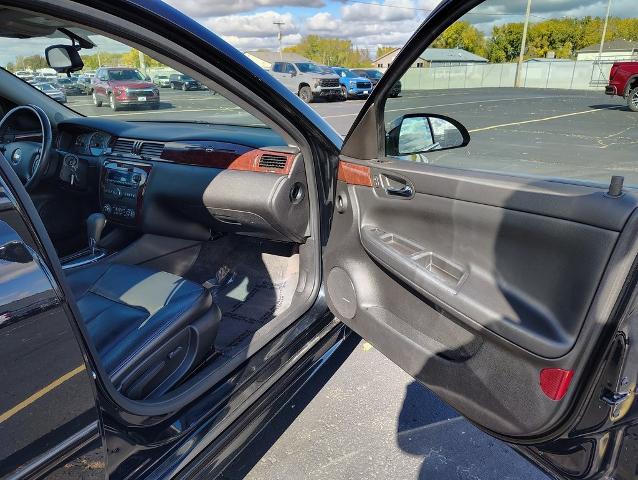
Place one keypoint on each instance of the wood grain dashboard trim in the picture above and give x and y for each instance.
(225, 156)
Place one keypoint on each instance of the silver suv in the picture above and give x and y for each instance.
(307, 80)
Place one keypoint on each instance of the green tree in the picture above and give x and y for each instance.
(462, 35)
(381, 51)
(331, 51)
(34, 62)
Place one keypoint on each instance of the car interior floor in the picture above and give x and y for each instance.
(252, 281)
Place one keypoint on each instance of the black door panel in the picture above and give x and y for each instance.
(468, 258)
(475, 285)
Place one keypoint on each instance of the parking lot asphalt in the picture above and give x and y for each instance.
(557, 133)
(364, 418)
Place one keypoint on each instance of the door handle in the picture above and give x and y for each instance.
(405, 191)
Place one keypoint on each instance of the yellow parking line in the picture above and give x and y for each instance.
(40, 393)
(554, 117)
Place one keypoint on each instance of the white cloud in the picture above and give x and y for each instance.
(373, 11)
(259, 25)
(215, 8)
(367, 33)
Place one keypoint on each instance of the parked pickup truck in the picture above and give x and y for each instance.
(307, 80)
(623, 81)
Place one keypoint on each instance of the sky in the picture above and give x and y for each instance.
(248, 24)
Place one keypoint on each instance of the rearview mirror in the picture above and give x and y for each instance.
(64, 58)
(424, 132)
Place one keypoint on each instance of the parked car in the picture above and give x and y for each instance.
(69, 85)
(374, 76)
(155, 338)
(179, 81)
(352, 85)
(25, 75)
(623, 82)
(123, 87)
(162, 81)
(85, 82)
(52, 91)
(308, 80)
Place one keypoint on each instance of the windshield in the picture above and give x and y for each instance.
(126, 66)
(344, 72)
(123, 75)
(374, 74)
(308, 68)
(45, 87)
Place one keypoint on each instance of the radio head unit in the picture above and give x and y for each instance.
(122, 190)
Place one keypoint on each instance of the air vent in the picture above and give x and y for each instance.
(271, 161)
(123, 146)
(152, 149)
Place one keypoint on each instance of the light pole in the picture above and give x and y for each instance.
(519, 67)
(279, 24)
(602, 40)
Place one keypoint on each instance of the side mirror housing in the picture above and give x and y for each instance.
(64, 58)
(424, 132)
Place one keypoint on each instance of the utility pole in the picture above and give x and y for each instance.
(519, 67)
(602, 40)
(142, 62)
(279, 24)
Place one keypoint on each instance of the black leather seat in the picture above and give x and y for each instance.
(150, 328)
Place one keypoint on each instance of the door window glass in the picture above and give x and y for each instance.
(543, 113)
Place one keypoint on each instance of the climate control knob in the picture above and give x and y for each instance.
(107, 209)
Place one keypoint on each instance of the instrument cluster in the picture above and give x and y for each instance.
(94, 144)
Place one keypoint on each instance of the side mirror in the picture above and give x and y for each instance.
(64, 58)
(15, 251)
(424, 132)
(147, 78)
(293, 74)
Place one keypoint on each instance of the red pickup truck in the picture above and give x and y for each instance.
(623, 81)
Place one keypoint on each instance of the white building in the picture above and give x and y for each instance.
(614, 50)
(433, 57)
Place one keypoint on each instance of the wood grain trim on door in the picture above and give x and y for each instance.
(354, 174)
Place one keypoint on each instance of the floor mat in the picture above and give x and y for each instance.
(253, 281)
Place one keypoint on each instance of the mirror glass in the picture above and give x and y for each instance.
(426, 134)
(59, 57)
(415, 135)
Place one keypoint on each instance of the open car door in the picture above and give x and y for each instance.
(511, 298)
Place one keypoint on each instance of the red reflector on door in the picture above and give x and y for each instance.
(555, 382)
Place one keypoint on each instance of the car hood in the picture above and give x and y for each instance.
(130, 84)
(357, 79)
(328, 76)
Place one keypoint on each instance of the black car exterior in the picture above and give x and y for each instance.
(66, 416)
(183, 82)
(375, 76)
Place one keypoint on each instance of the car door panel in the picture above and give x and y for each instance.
(477, 282)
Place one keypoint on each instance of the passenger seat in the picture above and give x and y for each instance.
(150, 328)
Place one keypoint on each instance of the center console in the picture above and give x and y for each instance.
(122, 187)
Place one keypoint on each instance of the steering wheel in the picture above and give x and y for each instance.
(28, 159)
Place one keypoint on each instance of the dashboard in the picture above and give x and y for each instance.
(187, 180)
